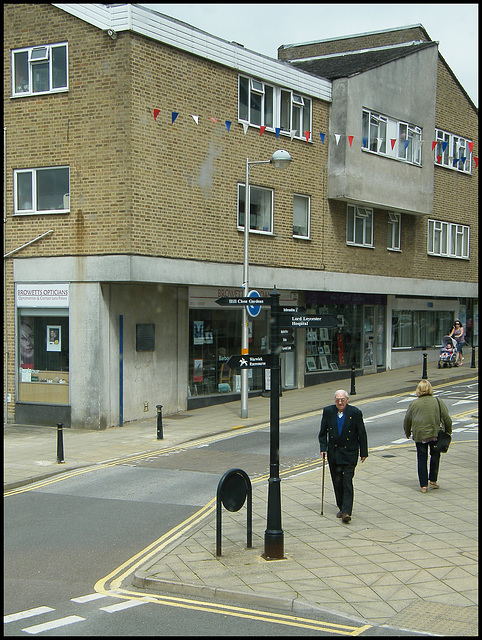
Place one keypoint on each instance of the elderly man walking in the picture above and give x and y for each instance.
(343, 436)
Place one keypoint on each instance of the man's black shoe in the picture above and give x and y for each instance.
(345, 518)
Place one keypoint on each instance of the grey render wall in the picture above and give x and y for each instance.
(367, 178)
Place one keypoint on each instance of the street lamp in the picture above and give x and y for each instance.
(280, 160)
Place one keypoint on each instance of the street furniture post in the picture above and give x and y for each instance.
(274, 536)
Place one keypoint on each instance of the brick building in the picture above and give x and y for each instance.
(126, 138)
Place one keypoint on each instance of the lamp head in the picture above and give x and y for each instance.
(280, 159)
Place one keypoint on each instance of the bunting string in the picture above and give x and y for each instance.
(174, 115)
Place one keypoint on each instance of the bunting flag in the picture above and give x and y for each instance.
(452, 159)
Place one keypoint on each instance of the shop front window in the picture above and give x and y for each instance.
(335, 348)
(215, 336)
(43, 348)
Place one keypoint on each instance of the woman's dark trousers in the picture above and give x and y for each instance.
(422, 459)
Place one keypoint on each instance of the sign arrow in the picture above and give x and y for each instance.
(250, 362)
(327, 321)
(238, 302)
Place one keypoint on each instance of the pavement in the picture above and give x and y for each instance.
(407, 561)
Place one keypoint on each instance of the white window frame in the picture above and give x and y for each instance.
(34, 173)
(448, 239)
(378, 130)
(450, 149)
(279, 108)
(394, 231)
(359, 219)
(301, 230)
(37, 55)
(254, 191)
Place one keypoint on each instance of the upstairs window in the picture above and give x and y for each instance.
(264, 105)
(453, 152)
(448, 239)
(41, 69)
(45, 190)
(301, 216)
(393, 240)
(359, 226)
(392, 138)
(261, 208)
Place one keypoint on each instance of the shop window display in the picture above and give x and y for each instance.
(43, 359)
(215, 336)
(332, 349)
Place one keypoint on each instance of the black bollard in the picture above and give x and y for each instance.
(60, 444)
(160, 435)
(352, 390)
(424, 371)
(472, 364)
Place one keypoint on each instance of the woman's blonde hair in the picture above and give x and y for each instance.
(424, 388)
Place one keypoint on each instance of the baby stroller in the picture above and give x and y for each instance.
(448, 353)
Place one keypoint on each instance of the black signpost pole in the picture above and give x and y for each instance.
(274, 536)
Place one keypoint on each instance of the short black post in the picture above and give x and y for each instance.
(352, 389)
(160, 435)
(472, 364)
(60, 444)
(424, 371)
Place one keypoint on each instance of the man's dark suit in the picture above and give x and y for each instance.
(343, 451)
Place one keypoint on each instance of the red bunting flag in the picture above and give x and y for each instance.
(213, 119)
(393, 140)
(476, 160)
(307, 135)
(471, 146)
(439, 159)
(261, 130)
(434, 144)
(350, 139)
(156, 113)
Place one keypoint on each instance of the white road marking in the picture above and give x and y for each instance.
(384, 415)
(120, 606)
(53, 624)
(88, 598)
(28, 613)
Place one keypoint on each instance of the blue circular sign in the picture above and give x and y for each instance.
(253, 309)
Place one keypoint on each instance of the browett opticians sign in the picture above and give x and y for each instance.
(42, 295)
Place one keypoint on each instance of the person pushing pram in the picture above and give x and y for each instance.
(448, 353)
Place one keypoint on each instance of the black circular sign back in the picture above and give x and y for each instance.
(233, 492)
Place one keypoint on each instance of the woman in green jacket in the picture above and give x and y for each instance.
(422, 419)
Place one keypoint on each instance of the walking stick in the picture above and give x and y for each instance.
(323, 484)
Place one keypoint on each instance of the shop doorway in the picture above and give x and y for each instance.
(373, 341)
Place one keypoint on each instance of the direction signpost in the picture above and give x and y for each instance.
(284, 320)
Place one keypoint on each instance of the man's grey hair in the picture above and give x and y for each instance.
(347, 395)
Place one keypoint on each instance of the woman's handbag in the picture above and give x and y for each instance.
(443, 439)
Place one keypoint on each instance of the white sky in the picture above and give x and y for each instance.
(264, 27)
